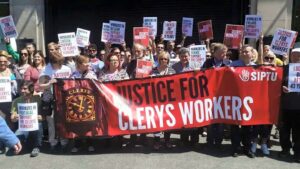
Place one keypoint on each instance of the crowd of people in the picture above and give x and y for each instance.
(31, 80)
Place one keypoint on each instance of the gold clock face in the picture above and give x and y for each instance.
(80, 108)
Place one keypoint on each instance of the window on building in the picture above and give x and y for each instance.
(4, 8)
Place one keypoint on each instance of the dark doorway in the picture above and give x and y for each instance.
(65, 16)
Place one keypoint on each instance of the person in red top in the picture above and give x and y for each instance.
(33, 72)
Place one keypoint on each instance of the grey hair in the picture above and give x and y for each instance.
(183, 51)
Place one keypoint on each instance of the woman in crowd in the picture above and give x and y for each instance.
(54, 69)
(6, 73)
(162, 69)
(83, 71)
(290, 116)
(34, 71)
(113, 69)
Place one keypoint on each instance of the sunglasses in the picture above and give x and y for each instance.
(24, 54)
(269, 58)
(163, 59)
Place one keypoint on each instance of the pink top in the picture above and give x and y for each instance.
(33, 74)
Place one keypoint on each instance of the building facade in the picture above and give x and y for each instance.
(41, 20)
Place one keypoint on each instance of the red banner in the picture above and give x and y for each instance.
(244, 96)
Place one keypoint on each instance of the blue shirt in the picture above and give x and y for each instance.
(6, 135)
(179, 68)
(238, 63)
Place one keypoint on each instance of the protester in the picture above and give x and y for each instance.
(215, 131)
(27, 90)
(139, 53)
(54, 69)
(162, 70)
(8, 138)
(34, 71)
(245, 59)
(83, 72)
(290, 116)
(183, 66)
(96, 64)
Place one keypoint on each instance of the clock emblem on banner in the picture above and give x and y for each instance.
(80, 105)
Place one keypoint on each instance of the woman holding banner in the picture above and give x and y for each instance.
(290, 117)
(162, 70)
(83, 72)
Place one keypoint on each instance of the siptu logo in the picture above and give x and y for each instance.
(245, 75)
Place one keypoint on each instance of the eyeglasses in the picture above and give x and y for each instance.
(24, 54)
(163, 59)
(160, 47)
(92, 50)
(114, 60)
(269, 58)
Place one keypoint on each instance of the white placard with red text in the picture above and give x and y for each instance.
(169, 30)
(151, 22)
(294, 77)
(197, 56)
(5, 89)
(8, 27)
(253, 26)
(28, 116)
(105, 35)
(82, 37)
(283, 40)
(68, 44)
(117, 32)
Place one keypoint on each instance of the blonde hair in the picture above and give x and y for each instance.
(163, 54)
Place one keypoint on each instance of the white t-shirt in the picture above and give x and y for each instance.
(63, 72)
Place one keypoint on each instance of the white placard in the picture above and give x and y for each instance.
(8, 27)
(117, 32)
(282, 41)
(82, 37)
(253, 26)
(28, 116)
(105, 35)
(187, 26)
(68, 44)
(197, 56)
(5, 89)
(294, 77)
(151, 22)
(169, 30)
